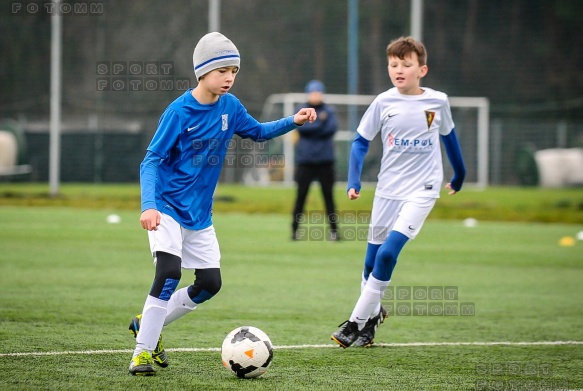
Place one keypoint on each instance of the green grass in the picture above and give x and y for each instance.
(492, 204)
(71, 283)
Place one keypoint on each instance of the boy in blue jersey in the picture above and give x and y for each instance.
(178, 177)
(412, 120)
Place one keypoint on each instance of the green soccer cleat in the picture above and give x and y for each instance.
(366, 336)
(142, 365)
(159, 354)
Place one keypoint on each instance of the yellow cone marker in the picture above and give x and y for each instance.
(567, 241)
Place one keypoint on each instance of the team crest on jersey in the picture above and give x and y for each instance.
(429, 116)
(225, 118)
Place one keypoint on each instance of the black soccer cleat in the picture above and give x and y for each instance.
(346, 334)
(366, 336)
(334, 235)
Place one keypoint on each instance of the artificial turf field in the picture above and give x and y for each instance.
(70, 283)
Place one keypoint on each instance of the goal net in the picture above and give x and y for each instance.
(470, 114)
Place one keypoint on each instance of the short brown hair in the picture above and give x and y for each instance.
(404, 46)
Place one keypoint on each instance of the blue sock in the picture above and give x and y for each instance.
(386, 256)
(369, 259)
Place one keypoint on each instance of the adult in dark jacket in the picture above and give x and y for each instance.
(314, 159)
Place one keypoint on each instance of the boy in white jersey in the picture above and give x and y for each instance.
(412, 120)
(178, 177)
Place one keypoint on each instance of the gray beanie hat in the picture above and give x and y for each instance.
(213, 51)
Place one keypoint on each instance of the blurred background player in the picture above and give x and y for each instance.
(178, 177)
(314, 158)
(411, 119)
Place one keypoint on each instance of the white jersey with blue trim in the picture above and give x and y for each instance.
(410, 126)
(192, 141)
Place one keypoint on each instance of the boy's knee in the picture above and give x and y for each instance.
(207, 283)
(387, 256)
(211, 281)
(168, 274)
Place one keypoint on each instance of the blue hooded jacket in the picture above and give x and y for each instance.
(316, 142)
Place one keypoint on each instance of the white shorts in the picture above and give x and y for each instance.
(404, 216)
(197, 249)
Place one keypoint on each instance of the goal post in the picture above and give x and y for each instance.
(482, 130)
(470, 114)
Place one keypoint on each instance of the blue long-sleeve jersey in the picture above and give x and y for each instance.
(181, 169)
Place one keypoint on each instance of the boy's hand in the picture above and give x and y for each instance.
(353, 194)
(150, 219)
(305, 115)
(452, 192)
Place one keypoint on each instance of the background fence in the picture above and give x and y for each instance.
(522, 55)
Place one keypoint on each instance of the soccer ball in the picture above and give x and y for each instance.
(247, 352)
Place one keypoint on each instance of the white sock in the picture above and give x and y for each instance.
(378, 307)
(153, 316)
(370, 298)
(179, 305)
(362, 283)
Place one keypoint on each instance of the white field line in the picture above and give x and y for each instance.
(386, 345)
